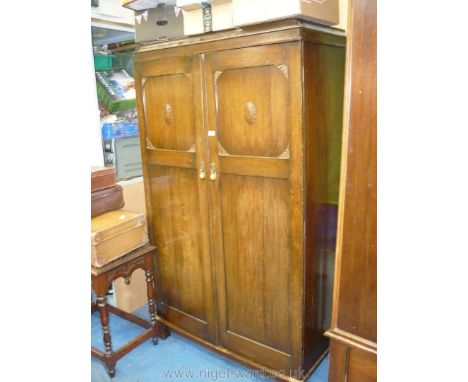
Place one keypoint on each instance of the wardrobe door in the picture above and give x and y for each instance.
(250, 104)
(173, 150)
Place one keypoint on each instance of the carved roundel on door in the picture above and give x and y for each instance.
(168, 114)
(253, 110)
(250, 113)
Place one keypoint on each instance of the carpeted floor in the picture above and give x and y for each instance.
(175, 359)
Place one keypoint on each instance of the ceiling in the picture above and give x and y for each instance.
(102, 35)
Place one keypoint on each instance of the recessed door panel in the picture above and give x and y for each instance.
(255, 214)
(176, 223)
(169, 111)
(253, 110)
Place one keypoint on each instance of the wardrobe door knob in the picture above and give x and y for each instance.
(201, 172)
(212, 172)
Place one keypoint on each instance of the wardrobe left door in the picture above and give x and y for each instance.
(173, 152)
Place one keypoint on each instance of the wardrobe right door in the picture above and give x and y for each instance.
(253, 134)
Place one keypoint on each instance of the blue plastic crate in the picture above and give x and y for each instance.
(119, 130)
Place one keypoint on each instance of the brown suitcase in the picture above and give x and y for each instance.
(102, 177)
(116, 233)
(109, 199)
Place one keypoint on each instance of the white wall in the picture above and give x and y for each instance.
(112, 11)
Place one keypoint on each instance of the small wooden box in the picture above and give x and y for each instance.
(116, 233)
(102, 177)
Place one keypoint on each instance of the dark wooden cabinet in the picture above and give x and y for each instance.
(240, 136)
(353, 333)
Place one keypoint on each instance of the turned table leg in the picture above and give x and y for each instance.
(104, 314)
(151, 295)
(100, 286)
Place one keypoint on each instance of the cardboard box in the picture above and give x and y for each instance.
(188, 5)
(133, 296)
(247, 12)
(162, 24)
(221, 11)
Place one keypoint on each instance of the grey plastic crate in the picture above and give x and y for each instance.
(127, 158)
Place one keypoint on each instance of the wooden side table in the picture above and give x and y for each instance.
(101, 278)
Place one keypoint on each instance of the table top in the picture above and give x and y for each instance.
(122, 260)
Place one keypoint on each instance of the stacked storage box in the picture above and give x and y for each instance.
(247, 12)
(227, 14)
(161, 23)
(164, 21)
(114, 231)
(221, 15)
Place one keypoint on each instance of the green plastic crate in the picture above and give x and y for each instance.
(103, 62)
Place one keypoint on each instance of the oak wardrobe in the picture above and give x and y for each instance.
(240, 134)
